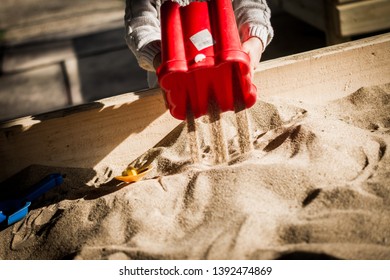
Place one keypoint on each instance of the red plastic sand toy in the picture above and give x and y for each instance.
(202, 59)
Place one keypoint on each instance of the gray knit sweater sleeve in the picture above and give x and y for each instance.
(253, 20)
(143, 35)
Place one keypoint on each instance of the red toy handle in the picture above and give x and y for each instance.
(202, 59)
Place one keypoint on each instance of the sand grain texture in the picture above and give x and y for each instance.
(315, 186)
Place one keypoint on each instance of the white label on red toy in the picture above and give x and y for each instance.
(203, 39)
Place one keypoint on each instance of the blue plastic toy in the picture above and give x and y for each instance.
(14, 210)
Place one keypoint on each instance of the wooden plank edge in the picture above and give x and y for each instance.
(86, 136)
(327, 73)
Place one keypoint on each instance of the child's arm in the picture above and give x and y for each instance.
(143, 35)
(256, 32)
(253, 20)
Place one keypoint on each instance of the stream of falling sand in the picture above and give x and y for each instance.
(192, 137)
(218, 143)
(243, 131)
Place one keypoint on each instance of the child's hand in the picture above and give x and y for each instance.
(157, 61)
(254, 48)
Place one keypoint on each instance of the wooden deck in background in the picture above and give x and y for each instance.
(58, 53)
(39, 20)
(341, 19)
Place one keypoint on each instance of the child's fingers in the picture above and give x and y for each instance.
(254, 48)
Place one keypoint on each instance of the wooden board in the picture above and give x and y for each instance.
(38, 20)
(341, 19)
(328, 73)
(86, 136)
(25, 57)
(47, 91)
(364, 17)
(32, 56)
(348, 1)
(91, 136)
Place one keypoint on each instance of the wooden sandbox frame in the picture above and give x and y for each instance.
(89, 135)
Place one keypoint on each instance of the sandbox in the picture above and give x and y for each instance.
(315, 185)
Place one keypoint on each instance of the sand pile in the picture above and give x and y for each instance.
(316, 185)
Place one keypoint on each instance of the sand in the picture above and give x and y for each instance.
(315, 185)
